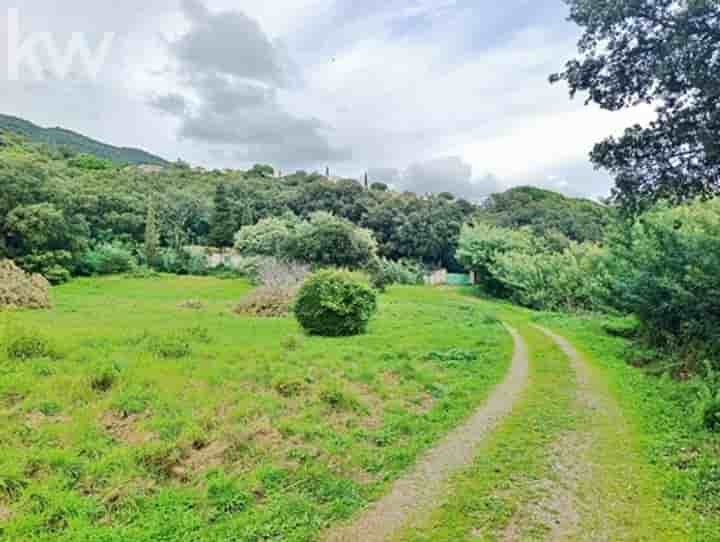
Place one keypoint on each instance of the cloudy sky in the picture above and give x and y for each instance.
(430, 95)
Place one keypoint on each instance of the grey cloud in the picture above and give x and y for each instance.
(449, 174)
(575, 179)
(173, 103)
(231, 73)
(224, 95)
(384, 175)
(231, 43)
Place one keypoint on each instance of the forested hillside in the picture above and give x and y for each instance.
(68, 140)
(54, 208)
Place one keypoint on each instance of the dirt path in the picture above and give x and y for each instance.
(421, 488)
(559, 510)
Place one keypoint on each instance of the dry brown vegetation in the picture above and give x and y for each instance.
(19, 289)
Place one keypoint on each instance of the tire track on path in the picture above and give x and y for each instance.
(421, 489)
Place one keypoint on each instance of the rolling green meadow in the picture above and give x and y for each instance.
(128, 415)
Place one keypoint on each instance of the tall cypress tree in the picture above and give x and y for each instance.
(152, 234)
(247, 218)
(222, 226)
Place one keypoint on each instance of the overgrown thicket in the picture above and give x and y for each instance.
(663, 268)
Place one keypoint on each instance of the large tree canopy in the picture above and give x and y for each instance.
(660, 52)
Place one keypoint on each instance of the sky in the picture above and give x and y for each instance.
(428, 95)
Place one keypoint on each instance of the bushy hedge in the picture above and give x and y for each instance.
(335, 304)
(664, 268)
(384, 273)
(107, 259)
(667, 271)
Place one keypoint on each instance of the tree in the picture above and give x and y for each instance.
(269, 237)
(548, 214)
(152, 234)
(328, 240)
(43, 240)
(247, 216)
(480, 247)
(661, 52)
(223, 225)
(667, 269)
(261, 170)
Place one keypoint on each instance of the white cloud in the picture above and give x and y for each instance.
(388, 82)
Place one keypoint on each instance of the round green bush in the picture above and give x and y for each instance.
(335, 304)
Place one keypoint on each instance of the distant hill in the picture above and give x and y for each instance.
(60, 137)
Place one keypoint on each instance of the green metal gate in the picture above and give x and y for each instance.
(458, 279)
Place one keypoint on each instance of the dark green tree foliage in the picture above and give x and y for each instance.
(152, 235)
(667, 272)
(335, 304)
(660, 52)
(42, 239)
(223, 226)
(327, 240)
(547, 214)
(109, 206)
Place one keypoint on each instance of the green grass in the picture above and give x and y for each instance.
(486, 496)
(128, 418)
(679, 473)
(652, 470)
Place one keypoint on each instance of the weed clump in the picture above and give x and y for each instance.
(455, 357)
(288, 388)
(267, 302)
(192, 304)
(335, 304)
(19, 289)
(171, 346)
(625, 328)
(104, 378)
(26, 345)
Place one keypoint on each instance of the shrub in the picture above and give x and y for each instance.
(171, 346)
(22, 290)
(104, 378)
(267, 302)
(269, 237)
(335, 304)
(625, 328)
(480, 247)
(571, 280)
(666, 268)
(182, 262)
(384, 273)
(323, 239)
(106, 260)
(57, 275)
(24, 345)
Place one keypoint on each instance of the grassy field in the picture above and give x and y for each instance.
(632, 463)
(128, 417)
